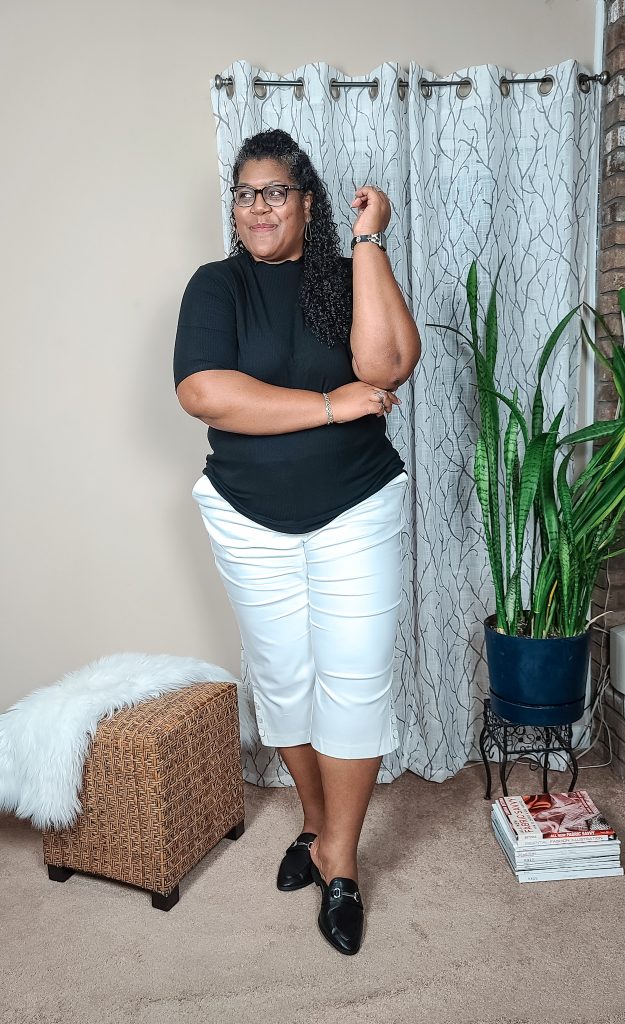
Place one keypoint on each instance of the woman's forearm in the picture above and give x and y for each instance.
(384, 338)
(233, 401)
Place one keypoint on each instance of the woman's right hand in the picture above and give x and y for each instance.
(353, 401)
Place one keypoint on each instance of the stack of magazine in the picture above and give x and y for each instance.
(556, 835)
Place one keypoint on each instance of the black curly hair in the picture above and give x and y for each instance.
(325, 292)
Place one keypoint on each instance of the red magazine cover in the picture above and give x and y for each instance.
(551, 815)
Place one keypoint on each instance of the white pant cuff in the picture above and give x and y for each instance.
(348, 751)
(288, 741)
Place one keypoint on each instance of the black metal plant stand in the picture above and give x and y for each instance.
(534, 741)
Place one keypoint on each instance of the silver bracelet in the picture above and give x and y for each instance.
(329, 412)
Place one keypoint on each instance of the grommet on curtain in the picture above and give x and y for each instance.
(504, 86)
(584, 80)
(374, 88)
(402, 88)
(546, 85)
(464, 88)
(426, 88)
(259, 88)
(583, 83)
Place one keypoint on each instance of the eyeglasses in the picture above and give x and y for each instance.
(273, 195)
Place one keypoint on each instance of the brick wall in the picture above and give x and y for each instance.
(611, 277)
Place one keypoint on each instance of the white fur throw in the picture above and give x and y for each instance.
(46, 737)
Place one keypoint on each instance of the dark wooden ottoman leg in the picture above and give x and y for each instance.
(58, 874)
(236, 831)
(161, 902)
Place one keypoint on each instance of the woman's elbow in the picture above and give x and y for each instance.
(194, 398)
(392, 374)
(187, 396)
(409, 358)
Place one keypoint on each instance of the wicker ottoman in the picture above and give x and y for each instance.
(161, 786)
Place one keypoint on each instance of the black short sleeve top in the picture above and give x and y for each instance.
(242, 314)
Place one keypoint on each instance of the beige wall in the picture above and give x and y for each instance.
(109, 202)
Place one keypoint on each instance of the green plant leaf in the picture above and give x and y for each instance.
(545, 582)
(516, 412)
(454, 330)
(575, 557)
(593, 468)
(600, 320)
(530, 476)
(490, 347)
(472, 300)
(552, 341)
(564, 578)
(489, 416)
(592, 511)
(538, 411)
(565, 497)
(510, 458)
(618, 371)
(483, 489)
(568, 554)
(598, 354)
(594, 431)
(546, 497)
(512, 603)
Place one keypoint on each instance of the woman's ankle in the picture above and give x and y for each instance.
(334, 860)
(311, 825)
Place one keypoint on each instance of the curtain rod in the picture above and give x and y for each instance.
(463, 85)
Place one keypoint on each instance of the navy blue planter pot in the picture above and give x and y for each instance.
(537, 682)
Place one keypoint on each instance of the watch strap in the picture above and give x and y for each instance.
(378, 237)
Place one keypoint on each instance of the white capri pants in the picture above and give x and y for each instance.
(317, 613)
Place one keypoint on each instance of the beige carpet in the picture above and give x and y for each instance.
(451, 937)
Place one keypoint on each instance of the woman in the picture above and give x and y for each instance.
(291, 354)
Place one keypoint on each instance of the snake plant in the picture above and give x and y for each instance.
(529, 506)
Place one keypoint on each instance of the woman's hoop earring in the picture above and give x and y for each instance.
(308, 232)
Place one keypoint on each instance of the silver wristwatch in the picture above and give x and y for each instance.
(378, 237)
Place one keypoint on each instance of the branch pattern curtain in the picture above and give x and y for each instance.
(483, 176)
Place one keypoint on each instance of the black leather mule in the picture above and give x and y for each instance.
(341, 917)
(294, 871)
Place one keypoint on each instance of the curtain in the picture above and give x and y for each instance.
(474, 171)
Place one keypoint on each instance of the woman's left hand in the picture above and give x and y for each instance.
(374, 210)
